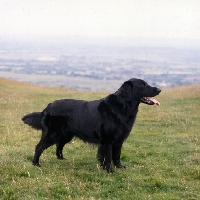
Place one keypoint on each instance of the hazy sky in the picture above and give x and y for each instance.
(121, 18)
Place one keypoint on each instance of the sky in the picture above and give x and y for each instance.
(101, 18)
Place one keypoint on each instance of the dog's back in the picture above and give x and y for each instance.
(75, 116)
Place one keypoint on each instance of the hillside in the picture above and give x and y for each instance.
(162, 154)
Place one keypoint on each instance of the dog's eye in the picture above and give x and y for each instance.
(144, 84)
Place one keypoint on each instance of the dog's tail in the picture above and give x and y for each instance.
(34, 120)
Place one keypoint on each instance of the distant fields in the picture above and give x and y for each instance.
(162, 153)
(98, 67)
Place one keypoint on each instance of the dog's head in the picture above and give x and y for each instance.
(140, 90)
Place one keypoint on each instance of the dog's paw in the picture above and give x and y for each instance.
(108, 169)
(60, 157)
(37, 164)
(118, 164)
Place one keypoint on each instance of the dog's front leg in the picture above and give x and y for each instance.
(101, 154)
(116, 153)
(108, 158)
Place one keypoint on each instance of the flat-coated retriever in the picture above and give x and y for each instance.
(106, 122)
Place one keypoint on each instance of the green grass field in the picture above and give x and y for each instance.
(161, 155)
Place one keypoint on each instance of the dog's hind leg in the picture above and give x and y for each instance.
(61, 143)
(46, 141)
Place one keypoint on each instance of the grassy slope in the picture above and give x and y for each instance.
(162, 154)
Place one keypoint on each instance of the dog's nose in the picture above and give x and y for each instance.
(158, 90)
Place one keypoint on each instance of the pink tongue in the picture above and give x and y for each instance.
(155, 101)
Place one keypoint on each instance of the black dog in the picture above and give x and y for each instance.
(106, 122)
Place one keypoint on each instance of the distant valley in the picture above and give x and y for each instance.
(99, 67)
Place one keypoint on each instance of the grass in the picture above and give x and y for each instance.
(162, 153)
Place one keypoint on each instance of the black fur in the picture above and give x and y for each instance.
(106, 122)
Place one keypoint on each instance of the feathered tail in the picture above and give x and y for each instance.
(34, 120)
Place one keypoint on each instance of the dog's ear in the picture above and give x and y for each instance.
(126, 90)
